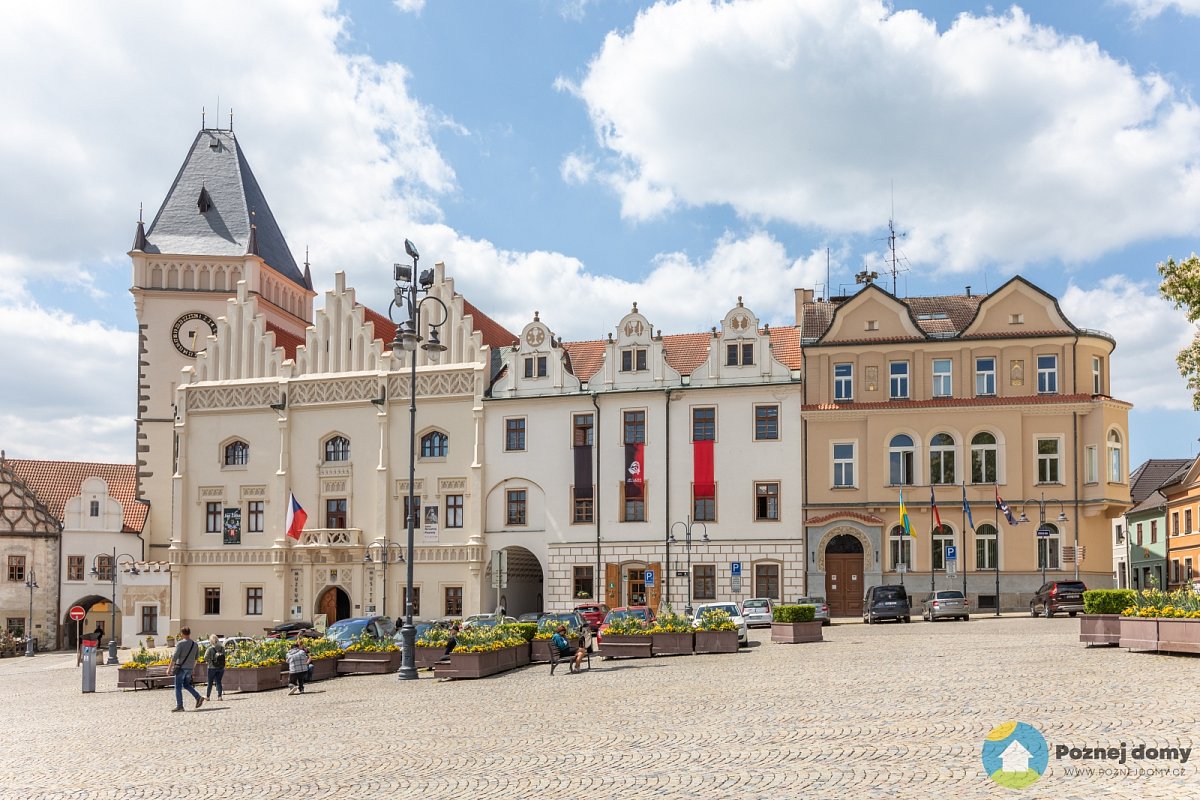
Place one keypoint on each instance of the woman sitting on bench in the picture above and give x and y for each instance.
(565, 650)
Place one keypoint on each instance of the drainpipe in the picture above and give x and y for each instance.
(1075, 482)
(596, 440)
(666, 576)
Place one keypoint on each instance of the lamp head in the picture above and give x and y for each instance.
(1062, 516)
(411, 249)
(426, 278)
(1022, 518)
(403, 274)
(406, 337)
(434, 345)
(671, 538)
(367, 559)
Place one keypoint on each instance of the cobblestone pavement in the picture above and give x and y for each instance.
(896, 711)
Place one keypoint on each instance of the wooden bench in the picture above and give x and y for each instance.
(154, 678)
(557, 656)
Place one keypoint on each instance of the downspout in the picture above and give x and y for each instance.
(1075, 447)
(58, 628)
(1128, 556)
(596, 440)
(666, 576)
(804, 467)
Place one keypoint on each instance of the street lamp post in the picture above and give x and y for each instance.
(1042, 530)
(407, 300)
(112, 576)
(687, 544)
(384, 557)
(30, 584)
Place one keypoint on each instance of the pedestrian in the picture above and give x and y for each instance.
(215, 659)
(98, 635)
(451, 643)
(297, 661)
(183, 661)
(565, 650)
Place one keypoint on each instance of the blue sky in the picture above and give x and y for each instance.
(575, 156)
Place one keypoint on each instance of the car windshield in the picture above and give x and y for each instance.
(589, 609)
(640, 613)
(950, 595)
(728, 608)
(566, 619)
(890, 592)
(756, 604)
(1072, 586)
(810, 601)
(346, 629)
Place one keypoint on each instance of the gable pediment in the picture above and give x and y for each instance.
(872, 314)
(1018, 308)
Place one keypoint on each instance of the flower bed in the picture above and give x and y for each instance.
(627, 646)
(539, 648)
(716, 633)
(1162, 621)
(794, 625)
(487, 651)
(671, 635)
(253, 679)
(1101, 621)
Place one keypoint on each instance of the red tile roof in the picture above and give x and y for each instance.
(586, 357)
(381, 327)
(953, 402)
(285, 339)
(870, 519)
(785, 346)
(494, 334)
(958, 311)
(56, 482)
(685, 352)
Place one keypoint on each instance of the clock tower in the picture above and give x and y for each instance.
(213, 230)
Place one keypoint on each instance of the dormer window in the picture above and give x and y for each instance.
(633, 359)
(872, 325)
(535, 366)
(204, 202)
(739, 354)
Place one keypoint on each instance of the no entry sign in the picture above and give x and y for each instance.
(77, 613)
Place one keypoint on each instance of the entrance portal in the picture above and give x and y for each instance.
(524, 585)
(334, 604)
(844, 576)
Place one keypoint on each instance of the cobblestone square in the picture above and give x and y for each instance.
(880, 711)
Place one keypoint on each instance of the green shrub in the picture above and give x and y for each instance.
(793, 613)
(525, 630)
(1107, 601)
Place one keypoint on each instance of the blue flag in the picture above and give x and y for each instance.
(967, 508)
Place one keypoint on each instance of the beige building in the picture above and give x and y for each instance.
(976, 395)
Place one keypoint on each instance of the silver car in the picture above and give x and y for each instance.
(821, 608)
(732, 610)
(945, 604)
(757, 611)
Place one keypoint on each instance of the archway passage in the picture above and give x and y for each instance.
(844, 576)
(334, 604)
(98, 616)
(525, 585)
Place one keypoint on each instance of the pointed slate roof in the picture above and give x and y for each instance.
(211, 206)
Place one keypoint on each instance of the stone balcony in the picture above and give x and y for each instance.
(331, 537)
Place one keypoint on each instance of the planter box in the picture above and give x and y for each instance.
(127, 676)
(539, 651)
(638, 646)
(795, 632)
(254, 679)
(323, 668)
(477, 665)
(716, 641)
(1100, 628)
(672, 644)
(1179, 635)
(368, 663)
(1139, 633)
(426, 657)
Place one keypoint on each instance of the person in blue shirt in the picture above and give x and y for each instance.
(565, 650)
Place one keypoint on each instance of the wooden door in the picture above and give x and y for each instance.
(612, 585)
(844, 583)
(654, 593)
(328, 606)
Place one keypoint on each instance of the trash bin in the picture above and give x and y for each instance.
(89, 665)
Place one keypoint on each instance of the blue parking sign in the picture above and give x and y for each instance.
(951, 553)
(649, 579)
(735, 569)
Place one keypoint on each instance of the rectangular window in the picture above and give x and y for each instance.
(739, 354)
(985, 376)
(943, 377)
(212, 600)
(454, 511)
(1047, 461)
(1048, 552)
(514, 434)
(583, 506)
(583, 583)
(940, 542)
(898, 381)
(1153, 531)
(1187, 569)
(766, 581)
(1047, 374)
(633, 509)
(1175, 523)
(335, 512)
(766, 423)
(1091, 464)
(843, 383)
(515, 505)
(16, 626)
(16, 568)
(985, 552)
(103, 567)
(704, 424)
(1176, 572)
(254, 601)
(254, 516)
(74, 568)
(528, 366)
(415, 516)
(1097, 373)
(1187, 520)
(901, 552)
(582, 430)
(843, 465)
(704, 582)
(416, 599)
(454, 598)
(1139, 534)
(212, 517)
(634, 427)
(535, 366)
(149, 620)
(94, 508)
(704, 509)
(766, 501)
(633, 359)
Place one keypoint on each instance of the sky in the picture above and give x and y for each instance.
(576, 156)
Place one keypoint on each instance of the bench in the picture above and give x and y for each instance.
(557, 657)
(154, 678)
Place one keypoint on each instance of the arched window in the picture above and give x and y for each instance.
(1049, 548)
(986, 552)
(435, 445)
(337, 448)
(1115, 472)
(900, 548)
(237, 454)
(901, 452)
(941, 459)
(984, 458)
(943, 537)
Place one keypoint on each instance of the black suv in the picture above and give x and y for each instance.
(886, 602)
(1057, 596)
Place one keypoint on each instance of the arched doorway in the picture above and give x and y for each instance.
(334, 604)
(99, 614)
(525, 585)
(844, 575)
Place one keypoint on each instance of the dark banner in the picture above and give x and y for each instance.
(635, 470)
(583, 471)
(703, 484)
(233, 526)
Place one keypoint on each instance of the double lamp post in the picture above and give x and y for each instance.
(687, 543)
(97, 572)
(1044, 531)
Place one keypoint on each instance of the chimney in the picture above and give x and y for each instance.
(802, 296)
(968, 290)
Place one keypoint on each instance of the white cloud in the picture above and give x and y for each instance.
(1149, 332)
(576, 168)
(410, 6)
(1006, 141)
(1148, 9)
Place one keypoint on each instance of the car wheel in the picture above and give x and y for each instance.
(908, 619)
(1046, 612)
(1073, 613)
(1032, 611)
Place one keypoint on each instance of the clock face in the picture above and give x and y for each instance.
(190, 332)
(535, 337)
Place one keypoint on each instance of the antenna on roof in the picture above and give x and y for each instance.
(218, 114)
(826, 271)
(306, 256)
(201, 117)
(894, 260)
(231, 120)
(139, 212)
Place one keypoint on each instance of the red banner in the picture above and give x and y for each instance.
(703, 483)
(635, 470)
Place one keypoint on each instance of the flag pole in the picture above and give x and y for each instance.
(963, 549)
(997, 512)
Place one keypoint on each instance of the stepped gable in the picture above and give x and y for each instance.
(21, 511)
(212, 205)
(56, 482)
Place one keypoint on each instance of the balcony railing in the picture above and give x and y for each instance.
(331, 537)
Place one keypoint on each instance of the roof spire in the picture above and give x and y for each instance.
(231, 119)
(139, 238)
(252, 242)
(307, 272)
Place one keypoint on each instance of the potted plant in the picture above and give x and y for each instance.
(716, 633)
(794, 624)
(525, 631)
(324, 654)
(672, 635)
(484, 651)
(1100, 622)
(255, 666)
(371, 656)
(626, 637)
(135, 668)
(1167, 622)
(431, 646)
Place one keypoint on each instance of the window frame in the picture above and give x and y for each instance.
(943, 381)
(900, 550)
(704, 430)
(337, 449)
(633, 426)
(900, 456)
(583, 509)
(943, 460)
(898, 380)
(1047, 376)
(211, 601)
(516, 507)
(634, 359)
(256, 514)
(634, 503)
(767, 422)
(435, 444)
(452, 600)
(236, 454)
(942, 538)
(76, 568)
(843, 382)
(213, 517)
(987, 545)
(18, 568)
(456, 505)
(583, 582)
(763, 511)
(704, 581)
(985, 377)
(337, 509)
(255, 599)
(842, 468)
(515, 434)
(981, 453)
(1052, 474)
(148, 614)
(1044, 550)
(1115, 466)
(704, 509)
(583, 434)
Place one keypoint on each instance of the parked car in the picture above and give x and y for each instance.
(293, 630)
(230, 642)
(592, 612)
(945, 604)
(573, 619)
(421, 626)
(531, 616)
(821, 613)
(890, 601)
(644, 613)
(757, 611)
(486, 621)
(345, 631)
(1058, 596)
(743, 629)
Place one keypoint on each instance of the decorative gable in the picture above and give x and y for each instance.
(1018, 308)
(20, 510)
(536, 364)
(872, 315)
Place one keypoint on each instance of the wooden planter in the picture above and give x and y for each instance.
(1100, 629)
(637, 646)
(672, 644)
(254, 679)
(127, 677)
(323, 668)
(539, 651)
(368, 663)
(477, 665)
(716, 641)
(426, 657)
(200, 673)
(795, 632)
(1179, 635)
(1139, 633)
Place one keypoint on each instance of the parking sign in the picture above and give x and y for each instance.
(951, 552)
(735, 569)
(649, 579)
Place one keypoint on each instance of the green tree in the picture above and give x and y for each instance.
(1181, 285)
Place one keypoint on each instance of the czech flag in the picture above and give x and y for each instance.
(937, 518)
(904, 516)
(296, 517)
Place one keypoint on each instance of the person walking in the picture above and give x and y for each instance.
(183, 661)
(215, 659)
(297, 661)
